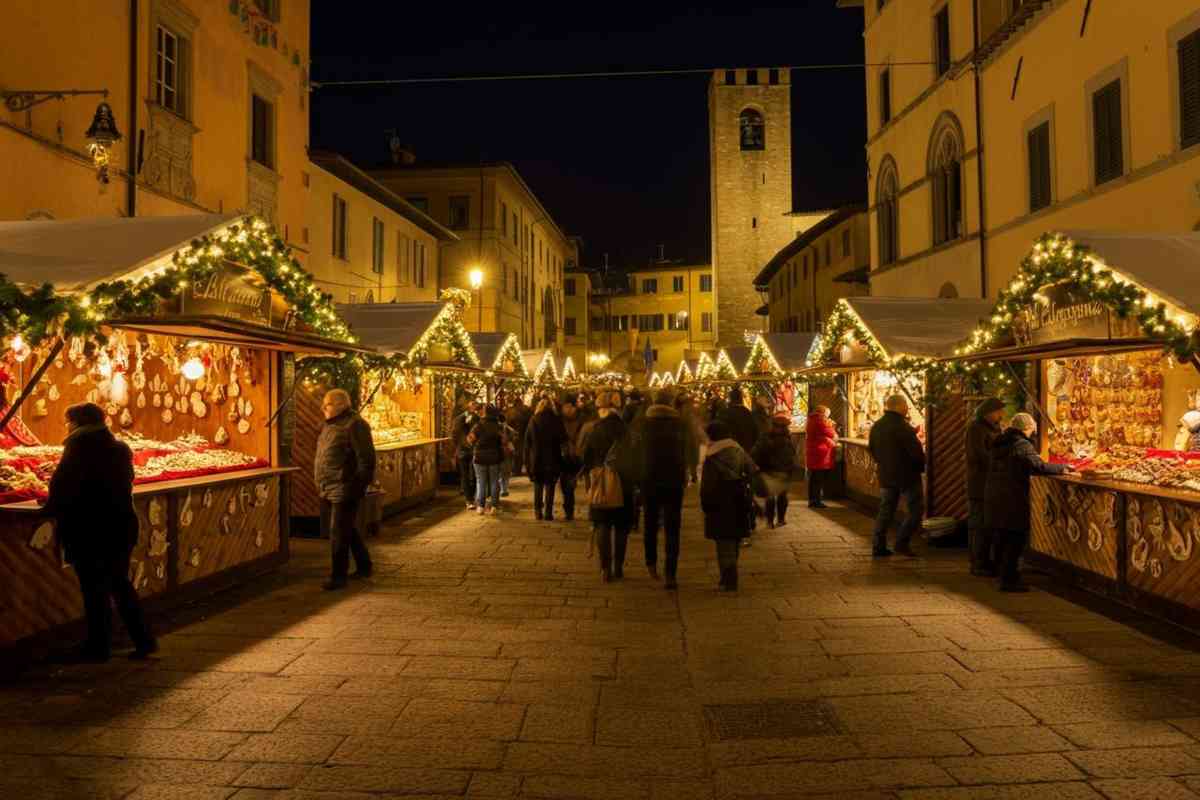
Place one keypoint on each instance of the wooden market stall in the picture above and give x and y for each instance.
(540, 365)
(1106, 325)
(876, 346)
(504, 367)
(184, 329)
(409, 400)
(774, 362)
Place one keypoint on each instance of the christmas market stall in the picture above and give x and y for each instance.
(184, 330)
(772, 366)
(1105, 325)
(539, 363)
(873, 347)
(407, 391)
(504, 367)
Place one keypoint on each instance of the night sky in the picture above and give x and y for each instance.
(621, 161)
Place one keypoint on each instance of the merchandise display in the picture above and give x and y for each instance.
(869, 390)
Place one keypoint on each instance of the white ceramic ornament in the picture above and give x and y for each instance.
(168, 416)
(141, 400)
(222, 436)
(126, 418)
(243, 426)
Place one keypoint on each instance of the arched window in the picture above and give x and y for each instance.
(945, 175)
(887, 212)
(753, 131)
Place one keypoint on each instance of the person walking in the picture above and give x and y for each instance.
(344, 467)
(662, 466)
(1013, 458)
(775, 457)
(900, 460)
(544, 438)
(740, 421)
(510, 450)
(464, 423)
(488, 442)
(760, 412)
(572, 421)
(517, 415)
(610, 525)
(982, 431)
(820, 443)
(726, 500)
(91, 502)
(692, 435)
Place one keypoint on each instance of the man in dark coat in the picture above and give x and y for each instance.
(982, 431)
(544, 440)
(517, 415)
(742, 427)
(726, 500)
(344, 468)
(901, 462)
(91, 503)
(662, 460)
(1013, 459)
(572, 420)
(465, 422)
(611, 525)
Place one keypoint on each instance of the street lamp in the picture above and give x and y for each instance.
(476, 278)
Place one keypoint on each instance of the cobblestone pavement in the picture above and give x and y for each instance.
(485, 659)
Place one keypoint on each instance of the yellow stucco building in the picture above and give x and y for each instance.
(211, 100)
(829, 261)
(368, 244)
(504, 232)
(1091, 121)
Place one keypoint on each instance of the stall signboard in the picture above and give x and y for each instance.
(1066, 312)
(235, 292)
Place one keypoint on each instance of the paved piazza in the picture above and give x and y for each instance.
(486, 660)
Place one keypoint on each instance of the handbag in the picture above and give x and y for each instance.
(604, 483)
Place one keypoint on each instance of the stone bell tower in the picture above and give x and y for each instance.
(750, 146)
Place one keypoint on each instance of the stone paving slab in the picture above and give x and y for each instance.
(486, 660)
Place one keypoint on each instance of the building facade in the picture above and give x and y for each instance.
(750, 141)
(922, 149)
(211, 100)
(1094, 114)
(669, 304)
(504, 232)
(829, 261)
(368, 244)
(577, 293)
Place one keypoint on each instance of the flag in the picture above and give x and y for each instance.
(648, 355)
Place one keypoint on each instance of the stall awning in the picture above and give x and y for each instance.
(538, 361)
(392, 328)
(1166, 264)
(74, 254)
(489, 346)
(789, 349)
(921, 327)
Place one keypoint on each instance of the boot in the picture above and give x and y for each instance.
(731, 581)
(721, 584)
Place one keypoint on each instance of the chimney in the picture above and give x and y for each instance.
(662, 253)
(402, 154)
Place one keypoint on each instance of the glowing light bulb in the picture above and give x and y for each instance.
(119, 389)
(20, 349)
(193, 369)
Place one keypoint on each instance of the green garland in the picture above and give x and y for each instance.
(42, 312)
(1057, 259)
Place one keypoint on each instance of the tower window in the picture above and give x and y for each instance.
(773, 76)
(941, 41)
(754, 222)
(753, 131)
(731, 77)
(752, 77)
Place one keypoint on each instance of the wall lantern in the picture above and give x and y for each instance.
(102, 133)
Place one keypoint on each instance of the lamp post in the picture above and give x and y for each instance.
(476, 278)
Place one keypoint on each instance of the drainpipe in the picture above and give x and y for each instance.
(131, 200)
(983, 262)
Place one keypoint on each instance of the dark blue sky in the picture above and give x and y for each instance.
(621, 161)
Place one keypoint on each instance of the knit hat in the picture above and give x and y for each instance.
(988, 406)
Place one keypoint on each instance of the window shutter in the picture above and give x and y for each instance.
(1106, 124)
(1039, 167)
(1189, 90)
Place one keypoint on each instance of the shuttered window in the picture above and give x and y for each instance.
(941, 41)
(1039, 167)
(1189, 90)
(1107, 134)
(885, 97)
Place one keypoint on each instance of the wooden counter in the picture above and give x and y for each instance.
(199, 533)
(862, 475)
(1136, 543)
(407, 472)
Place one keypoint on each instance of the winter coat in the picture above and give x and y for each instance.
(693, 435)
(762, 419)
(725, 496)
(345, 462)
(742, 428)
(91, 497)
(572, 426)
(464, 423)
(775, 452)
(1013, 458)
(820, 439)
(897, 452)
(980, 435)
(488, 439)
(544, 439)
(600, 439)
(662, 449)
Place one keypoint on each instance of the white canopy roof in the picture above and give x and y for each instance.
(928, 327)
(73, 254)
(1167, 264)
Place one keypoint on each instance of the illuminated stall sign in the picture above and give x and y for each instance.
(235, 292)
(1064, 311)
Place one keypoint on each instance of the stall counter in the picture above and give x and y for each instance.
(862, 475)
(407, 472)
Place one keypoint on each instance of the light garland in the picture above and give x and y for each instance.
(544, 366)
(683, 374)
(725, 370)
(705, 368)
(568, 371)
(511, 351)
(760, 351)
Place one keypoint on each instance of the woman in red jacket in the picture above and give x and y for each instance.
(820, 439)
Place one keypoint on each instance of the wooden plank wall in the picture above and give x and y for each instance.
(1076, 524)
(948, 458)
(309, 419)
(1163, 539)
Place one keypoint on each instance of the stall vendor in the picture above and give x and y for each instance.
(1189, 432)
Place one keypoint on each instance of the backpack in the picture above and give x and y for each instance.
(604, 482)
